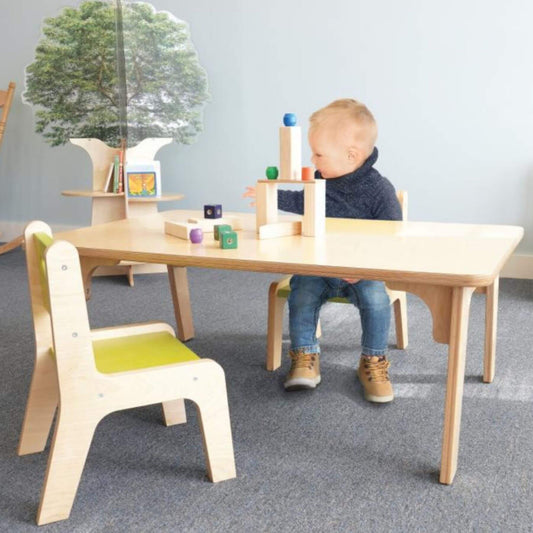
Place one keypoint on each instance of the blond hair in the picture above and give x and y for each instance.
(351, 113)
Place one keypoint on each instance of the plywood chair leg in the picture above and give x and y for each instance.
(400, 320)
(130, 275)
(491, 316)
(276, 307)
(41, 407)
(11, 245)
(70, 446)
(174, 412)
(213, 416)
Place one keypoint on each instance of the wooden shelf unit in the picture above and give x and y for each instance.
(108, 206)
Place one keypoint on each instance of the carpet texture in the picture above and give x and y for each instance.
(306, 461)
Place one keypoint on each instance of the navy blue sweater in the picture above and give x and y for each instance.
(364, 193)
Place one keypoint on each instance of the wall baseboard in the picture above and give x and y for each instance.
(518, 266)
(11, 230)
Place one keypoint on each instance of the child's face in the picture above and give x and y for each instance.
(331, 153)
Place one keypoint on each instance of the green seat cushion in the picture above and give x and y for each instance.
(140, 351)
(285, 291)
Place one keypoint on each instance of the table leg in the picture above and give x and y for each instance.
(461, 297)
(88, 266)
(491, 316)
(449, 309)
(179, 288)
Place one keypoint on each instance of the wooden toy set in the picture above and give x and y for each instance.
(224, 229)
(291, 171)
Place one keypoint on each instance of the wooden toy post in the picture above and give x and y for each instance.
(109, 206)
(290, 149)
(314, 218)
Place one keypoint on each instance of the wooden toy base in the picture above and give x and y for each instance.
(314, 218)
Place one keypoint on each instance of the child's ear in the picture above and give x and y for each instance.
(354, 155)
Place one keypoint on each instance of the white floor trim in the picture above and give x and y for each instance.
(11, 230)
(519, 266)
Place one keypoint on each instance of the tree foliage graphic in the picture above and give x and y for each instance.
(74, 86)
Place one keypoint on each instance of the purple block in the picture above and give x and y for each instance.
(196, 235)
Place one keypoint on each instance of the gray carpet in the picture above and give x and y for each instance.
(320, 461)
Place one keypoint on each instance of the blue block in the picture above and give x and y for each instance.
(213, 211)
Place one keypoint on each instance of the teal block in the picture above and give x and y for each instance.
(228, 240)
(220, 228)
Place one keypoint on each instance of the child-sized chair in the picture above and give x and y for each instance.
(90, 374)
(6, 99)
(279, 292)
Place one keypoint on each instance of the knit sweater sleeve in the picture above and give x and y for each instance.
(386, 205)
(291, 201)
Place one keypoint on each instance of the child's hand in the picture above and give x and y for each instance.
(250, 193)
(351, 280)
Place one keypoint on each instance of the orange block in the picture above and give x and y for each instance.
(308, 173)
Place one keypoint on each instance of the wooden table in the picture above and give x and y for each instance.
(441, 263)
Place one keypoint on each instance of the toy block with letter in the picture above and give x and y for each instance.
(213, 211)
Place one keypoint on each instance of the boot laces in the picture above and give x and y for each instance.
(302, 360)
(377, 370)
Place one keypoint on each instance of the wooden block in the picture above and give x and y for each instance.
(220, 228)
(272, 173)
(208, 225)
(228, 240)
(266, 200)
(290, 152)
(314, 221)
(213, 211)
(308, 173)
(280, 229)
(179, 229)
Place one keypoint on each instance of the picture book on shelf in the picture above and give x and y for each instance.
(143, 179)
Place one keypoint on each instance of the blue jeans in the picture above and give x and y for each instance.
(308, 294)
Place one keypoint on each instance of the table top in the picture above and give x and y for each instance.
(424, 252)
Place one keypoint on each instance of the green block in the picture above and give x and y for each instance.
(220, 228)
(272, 173)
(228, 240)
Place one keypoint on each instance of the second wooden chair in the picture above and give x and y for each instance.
(91, 373)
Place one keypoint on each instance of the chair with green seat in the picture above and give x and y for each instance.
(279, 292)
(91, 373)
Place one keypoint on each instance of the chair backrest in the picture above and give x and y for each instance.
(59, 310)
(402, 198)
(6, 98)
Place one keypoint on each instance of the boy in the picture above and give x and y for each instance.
(342, 137)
